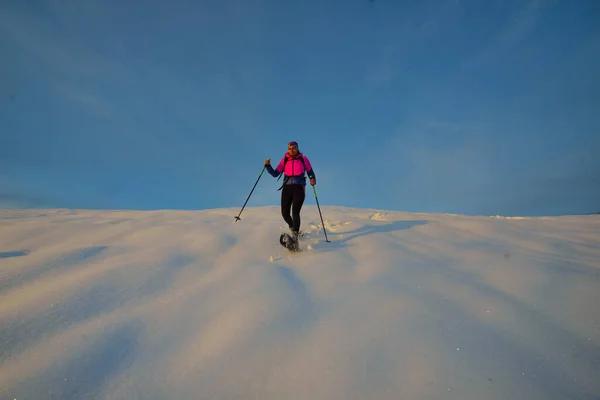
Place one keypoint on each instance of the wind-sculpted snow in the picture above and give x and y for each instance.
(193, 305)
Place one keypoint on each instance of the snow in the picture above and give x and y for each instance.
(192, 305)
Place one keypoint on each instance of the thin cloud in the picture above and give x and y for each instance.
(87, 77)
(443, 125)
(517, 27)
(62, 53)
(120, 110)
(15, 196)
(383, 71)
(415, 26)
(94, 103)
(68, 63)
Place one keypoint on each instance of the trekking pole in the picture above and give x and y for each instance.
(323, 223)
(261, 172)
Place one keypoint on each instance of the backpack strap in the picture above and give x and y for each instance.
(285, 160)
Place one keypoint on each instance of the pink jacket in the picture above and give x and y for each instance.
(294, 169)
(294, 166)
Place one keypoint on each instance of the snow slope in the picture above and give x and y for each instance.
(191, 305)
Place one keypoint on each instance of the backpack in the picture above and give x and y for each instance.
(285, 160)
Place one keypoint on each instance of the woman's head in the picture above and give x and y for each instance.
(293, 148)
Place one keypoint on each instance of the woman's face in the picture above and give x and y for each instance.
(293, 150)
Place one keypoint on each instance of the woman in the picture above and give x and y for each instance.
(293, 165)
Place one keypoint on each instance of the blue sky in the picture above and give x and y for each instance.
(466, 106)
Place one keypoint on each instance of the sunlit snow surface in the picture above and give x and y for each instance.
(193, 305)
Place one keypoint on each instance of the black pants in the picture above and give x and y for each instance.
(292, 197)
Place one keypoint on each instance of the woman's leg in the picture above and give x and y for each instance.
(286, 204)
(298, 199)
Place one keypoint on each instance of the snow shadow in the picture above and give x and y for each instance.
(84, 375)
(296, 286)
(166, 275)
(103, 295)
(298, 305)
(567, 269)
(65, 261)
(10, 254)
(370, 229)
(476, 335)
(91, 300)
